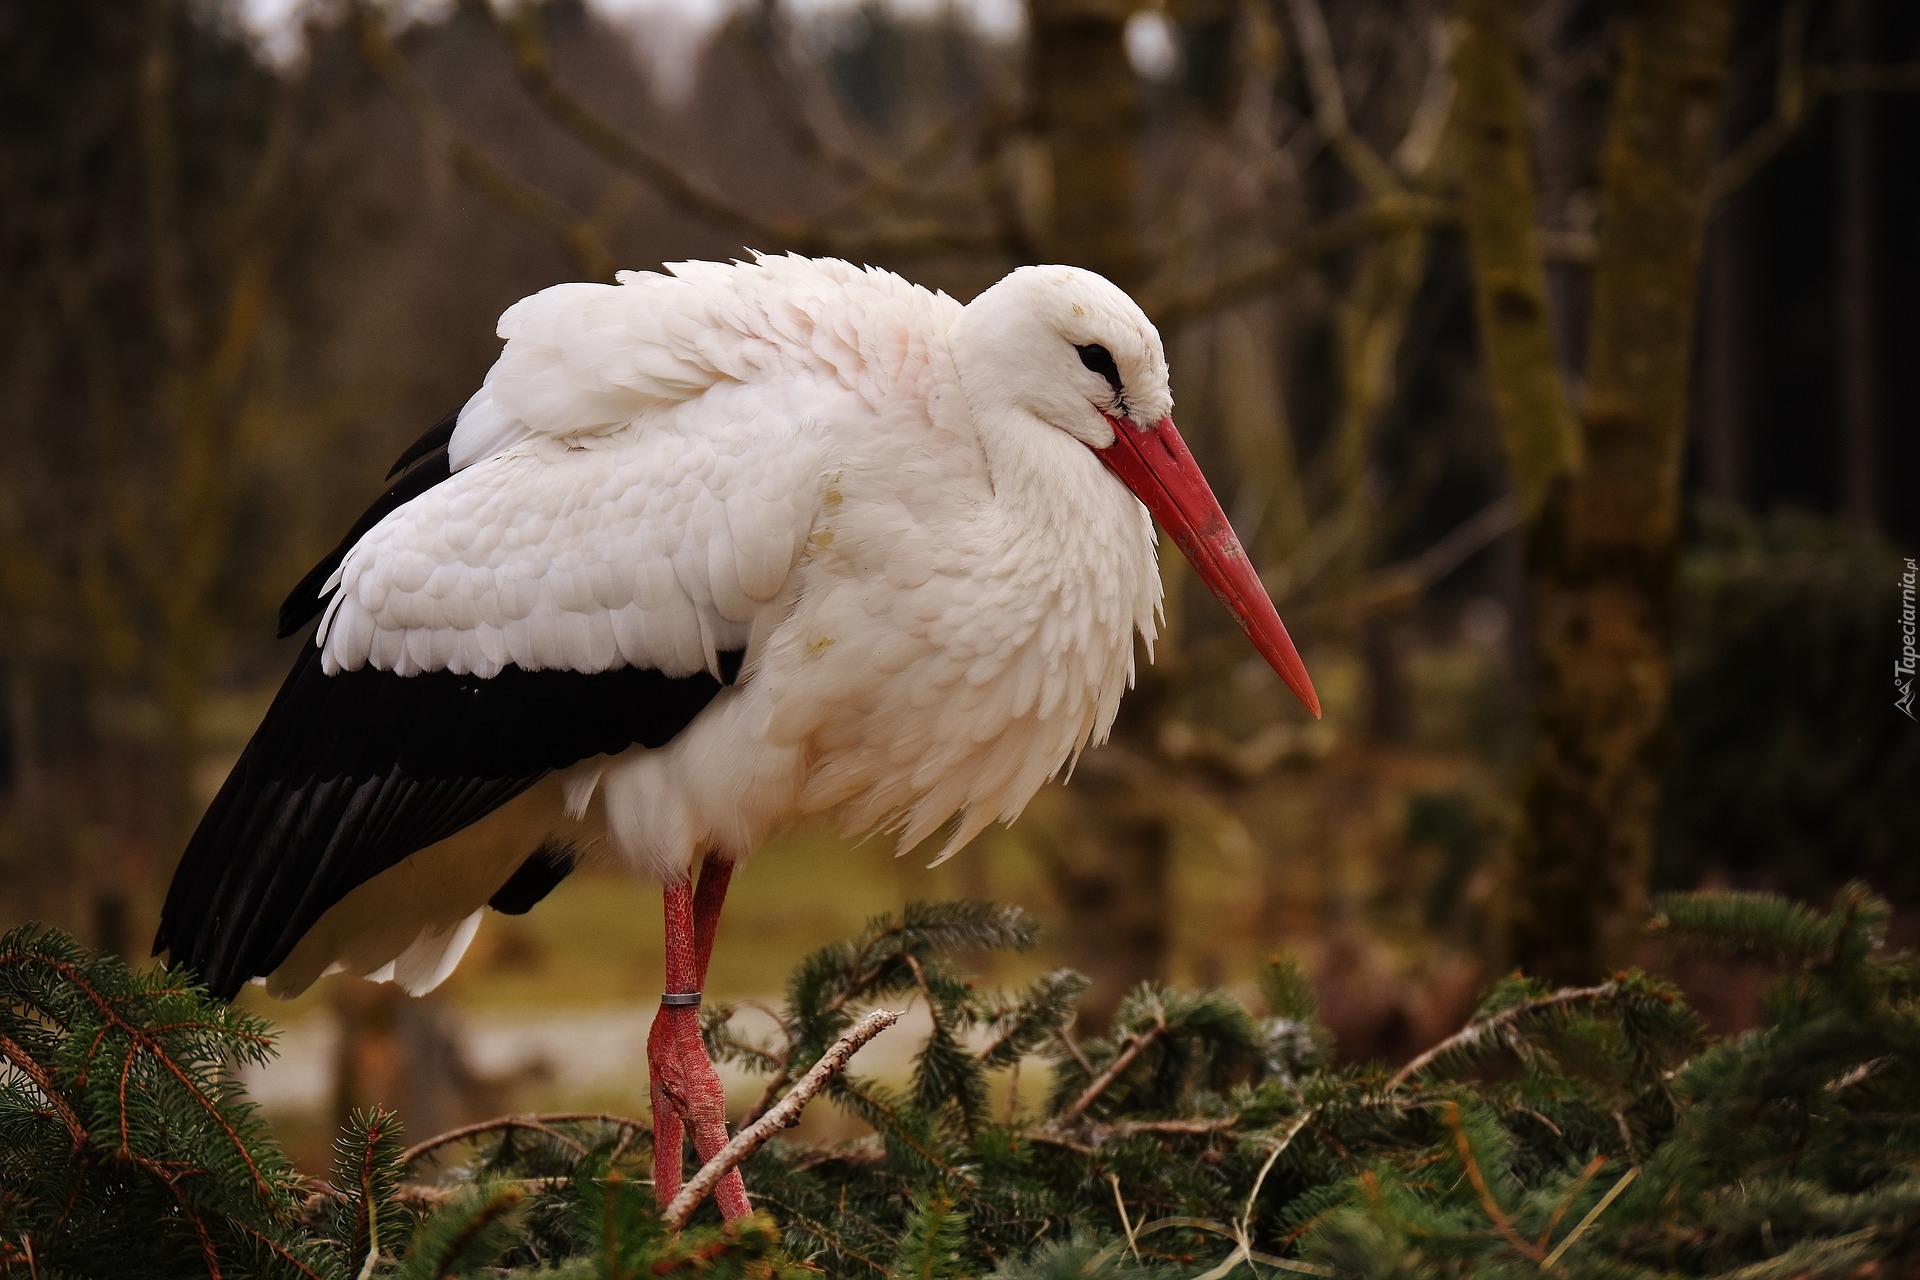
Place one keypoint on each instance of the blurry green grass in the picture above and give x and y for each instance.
(597, 939)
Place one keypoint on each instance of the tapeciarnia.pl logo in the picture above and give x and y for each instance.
(1903, 666)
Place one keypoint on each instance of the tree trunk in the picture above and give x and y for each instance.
(1856, 279)
(1110, 869)
(1510, 291)
(1110, 872)
(1733, 333)
(1087, 109)
(1601, 561)
(1732, 357)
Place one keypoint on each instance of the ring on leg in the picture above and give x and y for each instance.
(689, 1085)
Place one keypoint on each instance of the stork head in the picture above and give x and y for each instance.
(1077, 353)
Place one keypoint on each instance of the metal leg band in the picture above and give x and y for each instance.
(680, 998)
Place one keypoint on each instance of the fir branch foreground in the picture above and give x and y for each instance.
(1592, 1131)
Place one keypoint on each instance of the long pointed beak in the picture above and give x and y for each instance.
(1154, 463)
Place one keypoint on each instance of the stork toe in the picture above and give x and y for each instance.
(669, 1126)
(686, 1092)
(707, 1113)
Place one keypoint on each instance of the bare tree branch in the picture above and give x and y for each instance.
(1127, 1128)
(577, 236)
(1330, 103)
(813, 115)
(1399, 585)
(1792, 105)
(1394, 213)
(796, 112)
(784, 1114)
(1420, 145)
(624, 152)
(613, 145)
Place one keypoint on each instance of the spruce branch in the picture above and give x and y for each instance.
(930, 1248)
(49, 1090)
(453, 1238)
(141, 1040)
(1041, 1011)
(1463, 1148)
(368, 1169)
(1788, 1149)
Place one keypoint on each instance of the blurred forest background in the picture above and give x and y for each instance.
(1555, 360)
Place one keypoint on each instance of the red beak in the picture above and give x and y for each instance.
(1154, 463)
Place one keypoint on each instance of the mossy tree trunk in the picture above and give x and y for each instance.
(1087, 111)
(1110, 873)
(1602, 497)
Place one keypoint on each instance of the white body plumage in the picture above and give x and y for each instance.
(935, 581)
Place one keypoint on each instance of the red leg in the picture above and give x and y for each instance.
(715, 875)
(684, 1086)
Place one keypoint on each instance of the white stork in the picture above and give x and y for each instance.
(723, 548)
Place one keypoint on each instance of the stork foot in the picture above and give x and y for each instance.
(687, 1094)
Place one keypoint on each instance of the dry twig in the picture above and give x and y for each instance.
(1330, 104)
(1399, 585)
(1474, 1032)
(540, 1122)
(784, 1114)
(1546, 1264)
(1136, 1046)
(1170, 308)
(626, 153)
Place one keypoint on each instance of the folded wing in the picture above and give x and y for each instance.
(559, 599)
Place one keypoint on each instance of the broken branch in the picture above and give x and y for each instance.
(1399, 212)
(1474, 1032)
(1137, 1046)
(619, 149)
(783, 1114)
(539, 1123)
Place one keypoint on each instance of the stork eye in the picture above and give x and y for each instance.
(1100, 360)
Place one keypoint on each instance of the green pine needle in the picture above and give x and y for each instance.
(1193, 1133)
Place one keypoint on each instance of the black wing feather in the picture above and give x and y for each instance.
(535, 878)
(350, 773)
(435, 440)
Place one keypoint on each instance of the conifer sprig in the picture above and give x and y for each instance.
(120, 1120)
(1593, 1132)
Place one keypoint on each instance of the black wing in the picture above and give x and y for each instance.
(350, 773)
